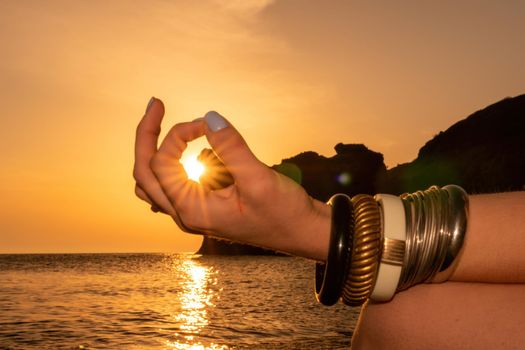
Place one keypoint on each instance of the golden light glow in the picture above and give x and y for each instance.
(196, 300)
(277, 74)
(193, 168)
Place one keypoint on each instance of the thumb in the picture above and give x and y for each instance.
(231, 148)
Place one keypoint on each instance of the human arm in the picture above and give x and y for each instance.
(494, 248)
(452, 315)
(267, 209)
(262, 207)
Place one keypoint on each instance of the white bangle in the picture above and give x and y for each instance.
(394, 237)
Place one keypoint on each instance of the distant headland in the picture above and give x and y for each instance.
(483, 153)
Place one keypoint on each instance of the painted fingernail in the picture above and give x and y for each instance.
(215, 121)
(151, 100)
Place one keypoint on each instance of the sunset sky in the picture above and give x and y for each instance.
(75, 78)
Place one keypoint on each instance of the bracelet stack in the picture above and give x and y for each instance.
(385, 244)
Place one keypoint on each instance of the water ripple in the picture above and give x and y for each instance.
(165, 301)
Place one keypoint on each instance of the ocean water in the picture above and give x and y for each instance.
(165, 301)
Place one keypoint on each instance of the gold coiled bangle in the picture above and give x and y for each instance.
(365, 255)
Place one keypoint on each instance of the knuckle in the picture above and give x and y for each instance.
(174, 131)
(144, 127)
(137, 175)
(155, 162)
(141, 194)
(177, 128)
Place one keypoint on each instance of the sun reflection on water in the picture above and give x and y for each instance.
(195, 300)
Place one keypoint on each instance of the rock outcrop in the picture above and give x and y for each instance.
(483, 153)
(353, 169)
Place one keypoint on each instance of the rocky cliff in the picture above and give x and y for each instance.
(484, 152)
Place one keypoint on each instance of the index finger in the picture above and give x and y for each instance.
(188, 198)
(166, 162)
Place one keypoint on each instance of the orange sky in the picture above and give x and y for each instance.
(75, 77)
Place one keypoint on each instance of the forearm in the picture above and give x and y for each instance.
(445, 313)
(495, 242)
(494, 245)
(451, 315)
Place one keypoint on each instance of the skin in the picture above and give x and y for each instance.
(267, 209)
(483, 309)
(245, 211)
(451, 315)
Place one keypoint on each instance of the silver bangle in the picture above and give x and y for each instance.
(436, 226)
(458, 205)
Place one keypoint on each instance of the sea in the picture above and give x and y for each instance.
(165, 301)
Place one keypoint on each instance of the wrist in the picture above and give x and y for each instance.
(309, 236)
(319, 230)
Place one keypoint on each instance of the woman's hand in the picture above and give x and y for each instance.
(261, 207)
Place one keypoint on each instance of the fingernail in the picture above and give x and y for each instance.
(151, 100)
(215, 121)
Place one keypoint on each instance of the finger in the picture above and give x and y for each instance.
(187, 197)
(147, 135)
(166, 163)
(139, 192)
(215, 175)
(231, 148)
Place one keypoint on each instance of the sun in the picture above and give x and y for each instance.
(193, 168)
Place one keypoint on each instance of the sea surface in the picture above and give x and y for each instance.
(165, 301)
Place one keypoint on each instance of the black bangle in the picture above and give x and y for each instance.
(330, 276)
